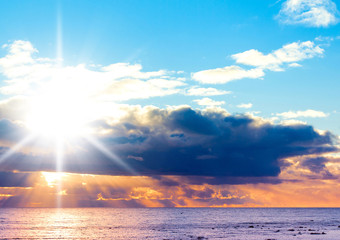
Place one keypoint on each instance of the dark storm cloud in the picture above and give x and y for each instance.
(231, 180)
(117, 203)
(207, 193)
(191, 121)
(229, 149)
(163, 181)
(10, 179)
(315, 164)
(11, 202)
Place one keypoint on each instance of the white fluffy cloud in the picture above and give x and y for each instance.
(26, 74)
(226, 74)
(123, 70)
(197, 91)
(278, 60)
(126, 89)
(292, 122)
(290, 53)
(305, 114)
(208, 102)
(312, 13)
(245, 105)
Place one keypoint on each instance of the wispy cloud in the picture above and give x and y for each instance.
(245, 105)
(198, 91)
(27, 74)
(303, 114)
(226, 74)
(311, 13)
(208, 102)
(289, 53)
(278, 60)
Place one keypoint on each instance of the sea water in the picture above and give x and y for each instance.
(170, 223)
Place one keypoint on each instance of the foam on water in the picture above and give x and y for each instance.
(169, 223)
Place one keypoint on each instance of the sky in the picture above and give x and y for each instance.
(169, 103)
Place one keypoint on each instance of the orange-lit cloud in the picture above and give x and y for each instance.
(83, 190)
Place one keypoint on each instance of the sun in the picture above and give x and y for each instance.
(56, 114)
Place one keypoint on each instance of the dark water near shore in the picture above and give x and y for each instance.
(166, 223)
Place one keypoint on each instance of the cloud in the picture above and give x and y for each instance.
(123, 70)
(289, 53)
(20, 52)
(315, 164)
(197, 91)
(111, 191)
(11, 179)
(245, 105)
(221, 180)
(290, 122)
(83, 190)
(294, 65)
(185, 142)
(310, 13)
(226, 74)
(209, 146)
(127, 89)
(27, 75)
(208, 102)
(11, 131)
(305, 114)
(278, 60)
(13, 108)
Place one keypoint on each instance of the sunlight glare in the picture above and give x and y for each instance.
(55, 115)
(53, 178)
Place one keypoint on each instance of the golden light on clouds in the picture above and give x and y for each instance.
(83, 190)
(52, 178)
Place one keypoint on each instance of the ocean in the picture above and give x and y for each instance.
(170, 223)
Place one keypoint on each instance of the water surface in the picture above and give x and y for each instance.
(169, 223)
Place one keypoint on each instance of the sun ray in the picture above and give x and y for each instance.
(59, 151)
(110, 154)
(59, 167)
(17, 147)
